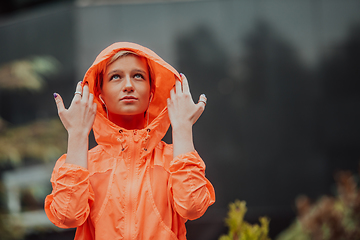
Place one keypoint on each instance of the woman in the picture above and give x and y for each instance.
(132, 185)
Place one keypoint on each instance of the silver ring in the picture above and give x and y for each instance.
(78, 93)
(203, 98)
(202, 101)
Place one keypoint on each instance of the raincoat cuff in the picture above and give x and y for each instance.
(192, 158)
(69, 174)
(73, 166)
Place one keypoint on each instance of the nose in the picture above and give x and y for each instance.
(128, 87)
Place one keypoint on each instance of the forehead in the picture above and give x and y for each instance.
(128, 62)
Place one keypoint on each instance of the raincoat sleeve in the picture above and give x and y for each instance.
(68, 206)
(192, 192)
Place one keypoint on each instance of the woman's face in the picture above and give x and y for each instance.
(126, 86)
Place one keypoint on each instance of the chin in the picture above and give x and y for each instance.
(130, 113)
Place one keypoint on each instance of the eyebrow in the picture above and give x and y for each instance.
(114, 71)
(140, 70)
(135, 70)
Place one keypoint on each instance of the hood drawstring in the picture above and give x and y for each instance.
(122, 135)
(146, 139)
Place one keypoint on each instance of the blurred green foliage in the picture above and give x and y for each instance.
(10, 229)
(28, 73)
(43, 140)
(329, 218)
(242, 230)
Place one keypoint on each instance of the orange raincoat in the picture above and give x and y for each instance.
(133, 188)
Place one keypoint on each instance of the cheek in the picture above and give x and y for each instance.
(146, 93)
(108, 94)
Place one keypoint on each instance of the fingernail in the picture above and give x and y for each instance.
(203, 95)
(181, 74)
(55, 95)
(80, 82)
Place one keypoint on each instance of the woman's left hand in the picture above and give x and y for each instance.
(183, 112)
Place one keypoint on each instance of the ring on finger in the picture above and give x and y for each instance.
(202, 98)
(77, 92)
(203, 101)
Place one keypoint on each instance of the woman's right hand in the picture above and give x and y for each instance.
(78, 119)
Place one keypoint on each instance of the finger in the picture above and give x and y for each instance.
(78, 90)
(185, 84)
(201, 107)
(178, 87)
(172, 94)
(59, 103)
(91, 98)
(85, 93)
(202, 100)
(94, 107)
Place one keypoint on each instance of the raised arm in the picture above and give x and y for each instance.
(191, 191)
(78, 121)
(69, 203)
(183, 113)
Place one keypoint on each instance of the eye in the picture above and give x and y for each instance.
(139, 76)
(115, 77)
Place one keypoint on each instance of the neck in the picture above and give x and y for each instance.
(129, 122)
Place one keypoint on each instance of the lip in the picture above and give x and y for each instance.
(128, 98)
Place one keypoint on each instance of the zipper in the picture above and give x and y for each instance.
(131, 183)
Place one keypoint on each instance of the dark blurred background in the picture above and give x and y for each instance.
(281, 77)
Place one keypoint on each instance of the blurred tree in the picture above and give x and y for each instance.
(28, 73)
(278, 119)
(39, 141)
(339, 72)
(336, 217)
(204, 61)
(206, 64)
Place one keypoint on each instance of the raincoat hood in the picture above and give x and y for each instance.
(163, 77)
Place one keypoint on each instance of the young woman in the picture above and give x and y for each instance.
(131, 185)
